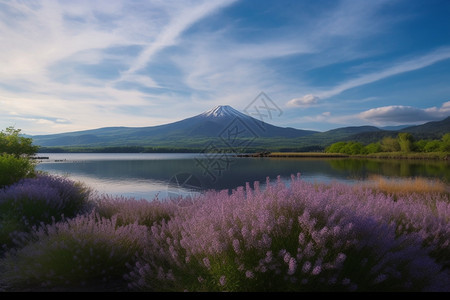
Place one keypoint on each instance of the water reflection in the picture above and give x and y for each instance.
(145, 176)
(362, 168)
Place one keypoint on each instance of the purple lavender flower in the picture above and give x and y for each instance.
(306, 267)
(207, 263)
(249, 274)
(292, 266)
(316, 270)
(300, 236)
(222, 280)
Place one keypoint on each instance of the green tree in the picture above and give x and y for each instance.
(346, 148)
(355, 148)
(390, 144)
(15, 156)
(419, 146)
(432, 146)
(335, 148)
(405, 141)
(445, 145)
(13, 168)
(373, 148)
(11, 142)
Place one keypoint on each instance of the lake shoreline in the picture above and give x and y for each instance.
(382, 155)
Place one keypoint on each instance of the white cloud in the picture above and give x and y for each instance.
(306, 100)
(399, 114)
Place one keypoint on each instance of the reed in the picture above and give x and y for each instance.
(403, 186)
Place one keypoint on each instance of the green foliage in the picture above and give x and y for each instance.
(13, 168)
(442, 145)
(11, 142)
(373, 148)
(357, 148)
(389, 144)
(432, 146)
(420, 145)
(15, 152)
(445, 145)
(352, 148)
(405, 141)
(335, 148)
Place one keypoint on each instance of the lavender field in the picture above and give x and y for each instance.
(56, 235)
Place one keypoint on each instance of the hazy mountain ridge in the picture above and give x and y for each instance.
(429, 130)
(222, 123)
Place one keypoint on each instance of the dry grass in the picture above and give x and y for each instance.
(401, 186)
(306, 154)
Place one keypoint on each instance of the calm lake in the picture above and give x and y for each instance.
(146, 175)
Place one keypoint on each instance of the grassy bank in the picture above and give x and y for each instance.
(297, 237)
(295, 154)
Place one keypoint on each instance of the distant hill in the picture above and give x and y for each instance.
(225, 127)
(430, 130)
(394, 128)
(343, 133)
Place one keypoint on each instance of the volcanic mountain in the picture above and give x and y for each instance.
(223, 125)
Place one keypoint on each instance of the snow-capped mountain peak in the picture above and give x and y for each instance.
(221, 111)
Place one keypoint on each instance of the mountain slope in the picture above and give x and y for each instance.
(225, 127)
(221, 122)
(429, 130)
(437, 128)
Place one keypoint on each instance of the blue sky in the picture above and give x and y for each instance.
(85, 64)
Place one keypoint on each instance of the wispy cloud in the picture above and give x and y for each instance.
(408, 65)
(178, 23)
(65, 60)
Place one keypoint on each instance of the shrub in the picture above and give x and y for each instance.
(303, 238)
(130, 210)
(84, 252)
(13, 168)
(15, 152)
(43, 199)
